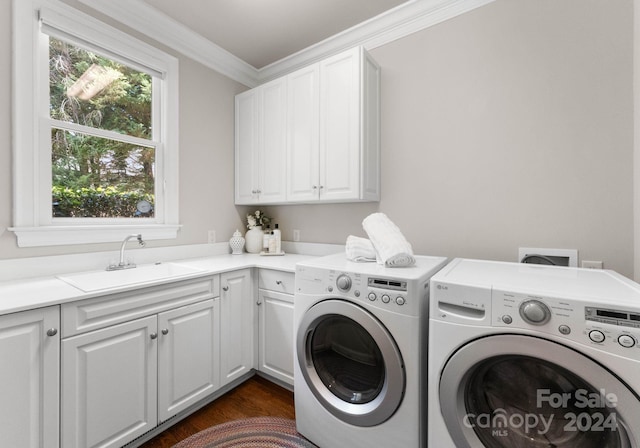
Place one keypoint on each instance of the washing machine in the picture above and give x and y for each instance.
(360, 351)
(533, 356)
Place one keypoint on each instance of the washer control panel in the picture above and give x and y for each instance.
(611, 329)
(409, 297)
(382, 292)
(387, 291)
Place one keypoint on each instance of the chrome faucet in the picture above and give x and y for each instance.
(122, 264)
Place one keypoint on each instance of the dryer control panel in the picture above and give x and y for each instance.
(614, 330)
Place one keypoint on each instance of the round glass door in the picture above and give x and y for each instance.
(512, 390)
(350, 362)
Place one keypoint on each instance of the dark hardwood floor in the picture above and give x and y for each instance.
(256, 397)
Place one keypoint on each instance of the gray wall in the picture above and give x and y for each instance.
(509, 126)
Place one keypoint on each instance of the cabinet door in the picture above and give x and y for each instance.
(303, 108)
(276, 335)
(340, 126)
(29, 378)
(236, 325)
(272, 159)
(188, 356)
(109, 385)
(246, 147)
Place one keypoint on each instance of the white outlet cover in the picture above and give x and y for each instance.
(592, 264)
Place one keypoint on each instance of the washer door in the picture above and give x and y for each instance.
(350, 362)
(520, 391)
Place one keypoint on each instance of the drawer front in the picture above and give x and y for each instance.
(92, 314)
(277, 281)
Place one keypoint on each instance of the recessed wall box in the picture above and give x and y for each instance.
(557, 257)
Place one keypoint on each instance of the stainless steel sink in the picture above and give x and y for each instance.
(99, 280)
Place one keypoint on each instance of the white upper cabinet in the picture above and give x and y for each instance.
(261, 144)
(303, 142)
(246, 150)
(330, 132)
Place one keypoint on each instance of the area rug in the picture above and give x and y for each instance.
(258, 432)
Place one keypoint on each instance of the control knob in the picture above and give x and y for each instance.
(626, 341)
(535, 312)
(343, 282)
(597, 336)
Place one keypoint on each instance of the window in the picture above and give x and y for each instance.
(95, 145)
(96, 105)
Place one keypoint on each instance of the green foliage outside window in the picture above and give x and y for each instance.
(98, 176)
(97, 202)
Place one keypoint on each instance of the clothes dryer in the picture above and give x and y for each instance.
(360, 352)
(533, 356)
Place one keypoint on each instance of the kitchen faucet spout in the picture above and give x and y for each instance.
(121, 264)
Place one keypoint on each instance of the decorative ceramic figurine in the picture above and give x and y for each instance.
(236, 243)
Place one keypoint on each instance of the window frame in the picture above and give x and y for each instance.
(33, 22)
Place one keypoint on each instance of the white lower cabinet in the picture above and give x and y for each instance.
(188, 356)
(122, 380)
(29, 378)
(236, 325)
(276, 335)
(275, 323)
(102, 372)
(109, 385)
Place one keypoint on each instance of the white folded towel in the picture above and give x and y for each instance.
(359, 249)
(392, 248)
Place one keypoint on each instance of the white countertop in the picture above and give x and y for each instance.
(222, 263)
(25, 294)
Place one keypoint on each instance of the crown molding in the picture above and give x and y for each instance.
(394, 24)
(387, 27)
(153, 23)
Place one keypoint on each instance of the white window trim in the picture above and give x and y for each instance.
(32, 224)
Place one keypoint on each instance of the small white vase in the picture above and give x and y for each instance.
(236, 243)
(253, 239)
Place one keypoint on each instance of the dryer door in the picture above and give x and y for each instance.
(350, 362)
(521, 391)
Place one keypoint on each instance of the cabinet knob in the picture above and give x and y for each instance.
(278, 282)
(258, 303)
(153, 335)
(165, 331)
(225, 288)
(321, 187)
(253, 191)
(315, 187)
(52, 331)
